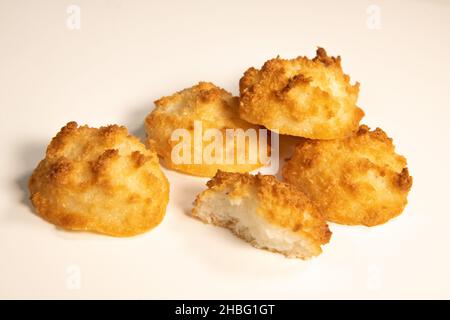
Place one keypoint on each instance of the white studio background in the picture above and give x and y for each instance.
(102, 62)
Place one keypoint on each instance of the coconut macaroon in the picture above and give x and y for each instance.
(189, 131)
(267, 213)
(359, 180)
(102, 180)
(301, 97)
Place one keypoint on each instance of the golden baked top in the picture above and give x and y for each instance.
(310, 98)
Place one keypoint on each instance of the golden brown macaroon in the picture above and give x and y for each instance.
(265, 212)
(212, 108)
(301, 97)
(359, 180)
(102, 180)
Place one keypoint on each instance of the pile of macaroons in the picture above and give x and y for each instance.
(107, 181)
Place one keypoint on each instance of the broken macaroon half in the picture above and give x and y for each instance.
(265, 212)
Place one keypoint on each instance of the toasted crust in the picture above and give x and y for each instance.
(301, 97)
(102, 180)
(214, 108)
(359, 180)
(280, 205)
